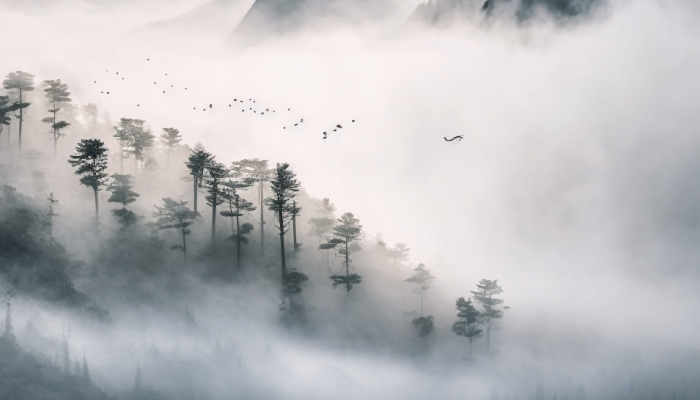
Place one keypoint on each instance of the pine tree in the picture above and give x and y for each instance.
(259, 171)
(347, 233)
(321, 227)
(6, 109)
(295, 211)
(422, 278)
(57, 93)
(197, 163)
(284, 188)
(50, 214)
(214, 184)
(486, 289)
(176, 215)
(170, 138)
(125, 138)
(466, 324)
(9, 295)
(21, 82)
(120, 187)
(142, 140)
(91, 163)
(236, 207)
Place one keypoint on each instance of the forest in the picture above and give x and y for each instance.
(181, 218)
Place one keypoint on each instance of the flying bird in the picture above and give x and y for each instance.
(353, 120)
(338, 126)
(460, 137)
(325, 135)
(210, 106)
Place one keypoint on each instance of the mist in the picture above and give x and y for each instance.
(575, 186)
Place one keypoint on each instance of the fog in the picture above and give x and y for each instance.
(575, 185)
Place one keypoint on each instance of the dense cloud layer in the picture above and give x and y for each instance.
(575, 186)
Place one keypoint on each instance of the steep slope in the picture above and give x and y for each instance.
(443, 12)
(268, 18)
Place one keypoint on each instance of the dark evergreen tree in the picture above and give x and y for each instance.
(91, 162)
(467, 317)
(486, 290)
(422, 278)
(120, 187)
(176, 215)
(425, 327)
(214, 184)
(294, 211)
(50, 214)
(6, 110)
(21, 82)
(237, 206)
(124, 135)
(9, 295)
(197, 163)
(259, 171)
(321, 227)
(284, 189)
(57, 94)
(347, 233)
(170, 139)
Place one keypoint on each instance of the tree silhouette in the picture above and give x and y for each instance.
(321, 227)
(50, 214)
(21, 82)
(91, 162)
(170, 138)
(120, 187)
(486, 289)
(57, 94)
(236, 207)
(422, 278)
(347, 232)
(197, 163)
(9, 295)
(125, 138)
(142, 140)
(176, 215)
(284, 188)
(295, 211)
(6, 109)
(259, 171)
(467, 318)
(214, 185)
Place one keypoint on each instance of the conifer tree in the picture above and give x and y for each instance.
(467, 318)
(259, 171)
(422, 278)
(236, 207)
(170, 138)
(197, 163)
(91, 162)
(347, 233)
(284, 189)
(486, 290)
(214, 184)
(57, 94)
(9, 295)
(21, 82)
(6, 109)
(176, 215)
(321, 227)
(50, 214)
(294, 211)
(124, 136)
(142, 140)
(398, 254)
(120, 187)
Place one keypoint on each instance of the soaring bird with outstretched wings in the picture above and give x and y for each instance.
(460, 137)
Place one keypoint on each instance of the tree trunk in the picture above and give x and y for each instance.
(470, 346)
(238, 242)
(195, 193)
(262, 221)
(184, 246)
(294, 229)
(281, 222)
(55, 132)
(347, 268)
(21, 117)
(97, 207)
(213, 226)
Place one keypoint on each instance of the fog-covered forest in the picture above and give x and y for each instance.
(396, 199)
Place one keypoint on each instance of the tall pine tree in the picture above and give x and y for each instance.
(90, 162)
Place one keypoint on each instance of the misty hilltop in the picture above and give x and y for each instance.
(444, 12)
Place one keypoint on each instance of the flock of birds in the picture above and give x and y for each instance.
(250, 106)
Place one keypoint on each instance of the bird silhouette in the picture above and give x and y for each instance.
(353, 120)
(338, 126)
(210, 106)
(325, 135)
(460, 137)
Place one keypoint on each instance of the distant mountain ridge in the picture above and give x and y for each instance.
(441, 12)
